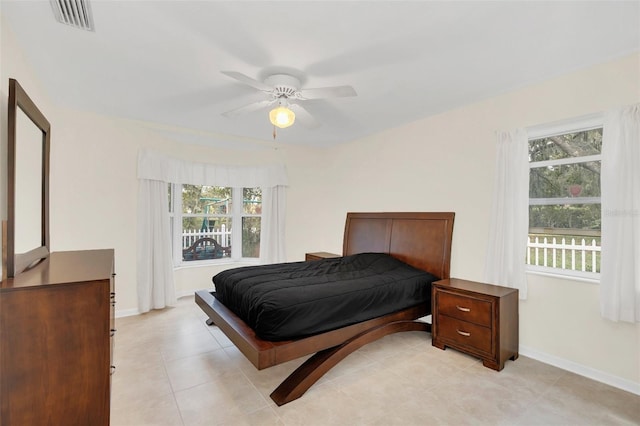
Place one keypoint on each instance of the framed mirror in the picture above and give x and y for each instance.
(27, 233)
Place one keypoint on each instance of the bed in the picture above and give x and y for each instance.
(421, 240)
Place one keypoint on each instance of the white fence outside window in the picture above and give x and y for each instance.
(581, 254)
(221, 235)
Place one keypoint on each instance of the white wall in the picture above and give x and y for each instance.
(446, 163)
(440, 163)
(14, 65)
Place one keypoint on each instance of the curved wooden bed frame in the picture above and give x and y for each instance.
(422, 240)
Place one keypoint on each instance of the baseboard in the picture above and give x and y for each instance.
(131, 312)
(591, 373)
(127, 313)
(185, 293)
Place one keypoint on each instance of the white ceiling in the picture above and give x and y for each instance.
(160, 61)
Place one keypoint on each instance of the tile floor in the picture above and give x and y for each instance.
(172, 369)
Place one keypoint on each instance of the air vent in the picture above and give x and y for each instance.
(76, 13)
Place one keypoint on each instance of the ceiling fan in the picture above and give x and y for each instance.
(284, 92)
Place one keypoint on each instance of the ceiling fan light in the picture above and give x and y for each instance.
(282, 117)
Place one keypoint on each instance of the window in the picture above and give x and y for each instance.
(210, 223)
(564, 203)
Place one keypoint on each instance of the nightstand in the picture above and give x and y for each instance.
(476, 318)
(319, 255)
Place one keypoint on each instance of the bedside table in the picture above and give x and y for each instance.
(319, 255)
(476, 318)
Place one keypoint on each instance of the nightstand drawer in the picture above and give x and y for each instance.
(465, 333)
(465, 308)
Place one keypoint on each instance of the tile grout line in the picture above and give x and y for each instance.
(173, 392)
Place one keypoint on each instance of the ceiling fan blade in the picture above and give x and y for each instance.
(247, 108)
(248, 80)
(304, 117)
(328, 92)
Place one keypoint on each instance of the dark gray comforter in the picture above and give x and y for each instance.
(291, 300)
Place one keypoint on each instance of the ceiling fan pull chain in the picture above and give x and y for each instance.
(274, 132)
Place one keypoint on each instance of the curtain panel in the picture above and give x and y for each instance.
(620, 183)
(507, 242)
(272, 230)
(153, 165)
(156, 288)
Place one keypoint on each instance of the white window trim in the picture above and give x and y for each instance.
(236, 237)
(563, 201)
(579, 124)
(564, 161)
(177, 244)
(545, 271)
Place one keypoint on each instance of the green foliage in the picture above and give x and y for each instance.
(252, 200)
(569, 216)
(216, 203)
(201, 199)
(577, 144)
(251, 204)
(565, 181)
(250, 237)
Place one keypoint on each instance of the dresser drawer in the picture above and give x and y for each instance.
(465, 308)
(464, 333)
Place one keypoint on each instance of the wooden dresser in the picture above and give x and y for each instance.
(56, 341)
(476, 318)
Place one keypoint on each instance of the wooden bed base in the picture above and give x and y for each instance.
(422, 240)
(329, 348)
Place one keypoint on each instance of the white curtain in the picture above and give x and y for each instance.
(620, 185)
(272, 248)
(155, 170)
(156, 289)
(506, 248)
(157, 166)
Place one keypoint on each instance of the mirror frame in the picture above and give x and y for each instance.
(17, 263)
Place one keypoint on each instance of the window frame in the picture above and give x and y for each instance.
(236, 215)
(581, 124)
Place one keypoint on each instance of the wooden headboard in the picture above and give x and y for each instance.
(422, 240)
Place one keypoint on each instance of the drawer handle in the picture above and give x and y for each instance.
(463, 333)
(460, 308)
